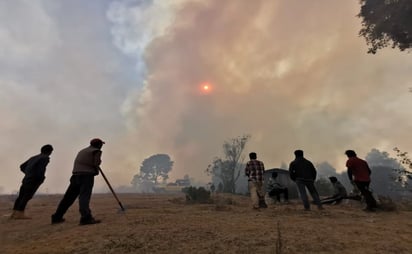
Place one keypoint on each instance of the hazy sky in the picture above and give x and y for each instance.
(293, 74)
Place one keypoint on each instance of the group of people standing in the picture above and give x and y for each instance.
(86, 167)
(303, 173)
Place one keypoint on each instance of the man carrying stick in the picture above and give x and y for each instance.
(86, 167)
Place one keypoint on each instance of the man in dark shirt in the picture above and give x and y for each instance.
(303, 173)
(34, 170)
(86, 167)
(254, 171)
(359, 174)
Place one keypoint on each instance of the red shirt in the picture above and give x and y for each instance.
(360, 169)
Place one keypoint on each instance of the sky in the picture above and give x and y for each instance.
(292, 74)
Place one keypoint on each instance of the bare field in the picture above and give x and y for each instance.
(166, 224)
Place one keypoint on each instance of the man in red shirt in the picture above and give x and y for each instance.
(359, 174)
(255, 170)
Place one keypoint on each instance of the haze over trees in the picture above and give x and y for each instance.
(226, 171)
(388, 176)
(322, 183)
(385, 23)
(323, 186)
(153, 169)
(384, 176)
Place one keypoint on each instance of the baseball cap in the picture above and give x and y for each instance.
(96, 141)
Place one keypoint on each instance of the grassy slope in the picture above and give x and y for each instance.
(165, 224)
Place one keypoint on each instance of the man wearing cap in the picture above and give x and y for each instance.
(86, 167)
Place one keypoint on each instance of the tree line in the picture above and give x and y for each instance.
(390, 177)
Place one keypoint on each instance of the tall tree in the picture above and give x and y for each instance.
(386, 22)
(385, 180)
(154, 168)
(404, 174)
(228, 168)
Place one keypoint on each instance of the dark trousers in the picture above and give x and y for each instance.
(277, 191)
(80, 186)
(27, 190)
(364, 189)
(310, 185)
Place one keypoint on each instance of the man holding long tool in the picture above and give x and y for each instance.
(86, 167)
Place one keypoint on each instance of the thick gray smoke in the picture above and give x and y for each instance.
(292, 74)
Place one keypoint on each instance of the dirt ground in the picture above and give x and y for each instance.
(166, 224)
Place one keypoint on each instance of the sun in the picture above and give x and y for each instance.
(206, 88)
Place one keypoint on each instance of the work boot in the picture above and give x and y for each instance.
(89, 221)
(19, 215)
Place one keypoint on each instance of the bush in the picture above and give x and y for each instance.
(387, 204)
(196, 195)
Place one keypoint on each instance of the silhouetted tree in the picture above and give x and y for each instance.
(153, 169)
(227, 170)
(404, 175)
(384, 173)
(386, 22)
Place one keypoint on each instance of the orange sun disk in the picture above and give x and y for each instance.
(206, 87)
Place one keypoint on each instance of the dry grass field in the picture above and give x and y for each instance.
(166, 224)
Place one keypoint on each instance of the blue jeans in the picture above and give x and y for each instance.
(310, 185)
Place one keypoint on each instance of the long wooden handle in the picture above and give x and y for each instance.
(111, 189)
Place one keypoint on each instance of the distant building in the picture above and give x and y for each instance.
(183, 182)
(177, 186)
